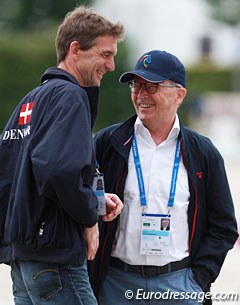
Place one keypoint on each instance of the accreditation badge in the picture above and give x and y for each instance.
(155, 234)
(98, 188)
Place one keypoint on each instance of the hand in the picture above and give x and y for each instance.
(92, 238)
(114, 206)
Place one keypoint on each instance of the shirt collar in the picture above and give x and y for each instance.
(173, 134)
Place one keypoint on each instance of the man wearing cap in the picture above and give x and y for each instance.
(161, 170)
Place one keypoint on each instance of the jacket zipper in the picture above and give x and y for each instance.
(196, 205)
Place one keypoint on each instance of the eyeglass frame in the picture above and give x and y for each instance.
(154, 85)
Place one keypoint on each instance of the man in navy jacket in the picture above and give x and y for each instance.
(161, 170)
(47, 164)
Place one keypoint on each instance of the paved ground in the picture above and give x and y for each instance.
(227, 282)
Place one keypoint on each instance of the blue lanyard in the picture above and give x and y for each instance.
(176, 163)
(177, 159)
(139, 171)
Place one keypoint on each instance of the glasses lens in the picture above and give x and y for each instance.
(151, 88)
(135, 87)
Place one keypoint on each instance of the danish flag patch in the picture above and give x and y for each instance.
(25, 113)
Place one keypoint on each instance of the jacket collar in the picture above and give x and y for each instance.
(92, 92)
(123, 133)
(55, 72)
(121, 137)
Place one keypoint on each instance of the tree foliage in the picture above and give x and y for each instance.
(227, 11)
(34, 14)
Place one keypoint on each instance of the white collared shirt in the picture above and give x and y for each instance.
(157, 165)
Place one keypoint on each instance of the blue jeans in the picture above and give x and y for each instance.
(174, 288)
(40, 283)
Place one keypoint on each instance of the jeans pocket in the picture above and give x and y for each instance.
(18, 289)
(42, 279)
(193, 282)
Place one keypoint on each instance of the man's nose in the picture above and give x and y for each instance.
(110, 65)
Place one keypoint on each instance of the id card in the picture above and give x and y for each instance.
(155, 234)
(98, 188)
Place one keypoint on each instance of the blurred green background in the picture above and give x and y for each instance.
(27, 34)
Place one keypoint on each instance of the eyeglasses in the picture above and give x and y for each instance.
(151, 88)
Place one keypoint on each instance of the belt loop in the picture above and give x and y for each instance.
(169, 267)
(143, 271)
(125, 267)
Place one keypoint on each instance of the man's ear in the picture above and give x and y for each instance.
(181, 95)
(74, 48)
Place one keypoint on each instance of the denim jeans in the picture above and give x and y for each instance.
(174, 288)
(40, 283)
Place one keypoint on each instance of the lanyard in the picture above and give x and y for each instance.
(177, 159)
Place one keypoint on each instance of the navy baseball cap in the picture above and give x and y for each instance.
(157, 66)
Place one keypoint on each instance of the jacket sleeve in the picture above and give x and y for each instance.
(62, 159)
(218, 219)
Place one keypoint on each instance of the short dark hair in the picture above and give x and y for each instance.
(84, 25)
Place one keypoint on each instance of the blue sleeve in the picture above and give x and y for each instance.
(63, 159)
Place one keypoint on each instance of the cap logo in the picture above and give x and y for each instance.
(147, 59)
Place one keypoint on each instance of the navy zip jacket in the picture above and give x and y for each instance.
(211, 219)
(47, 164)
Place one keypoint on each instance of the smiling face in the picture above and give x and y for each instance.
(95, 62)
(158, 107)
(89, 66)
